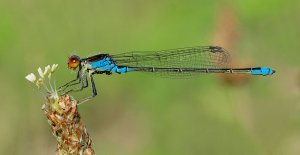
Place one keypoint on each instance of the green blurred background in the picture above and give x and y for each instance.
(136, 114)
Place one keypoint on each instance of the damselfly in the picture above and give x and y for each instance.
(174, 63)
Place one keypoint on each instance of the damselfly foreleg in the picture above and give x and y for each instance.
(84, 84)
(71, 83)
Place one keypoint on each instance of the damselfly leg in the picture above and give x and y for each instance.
(70, 83)
(94, 91)
(84, 84)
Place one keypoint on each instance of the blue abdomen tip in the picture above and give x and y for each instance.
(262, 71)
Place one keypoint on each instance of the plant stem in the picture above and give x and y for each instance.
(66, 125)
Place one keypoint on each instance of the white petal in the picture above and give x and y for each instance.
(49, 75)
(54, 66)
(41, 72)
(31, 77)
(47, 68)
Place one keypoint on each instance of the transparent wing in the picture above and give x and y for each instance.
(181, 58)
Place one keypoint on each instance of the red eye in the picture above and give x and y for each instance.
(73, 62)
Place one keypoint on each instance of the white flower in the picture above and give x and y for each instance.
(49, 75)
(31, 77)
(47, 68)
(39, 82)
(41, 72)
(54, 66)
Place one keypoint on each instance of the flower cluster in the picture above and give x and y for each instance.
(43, 76)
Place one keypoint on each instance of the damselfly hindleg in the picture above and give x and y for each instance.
(94, 90)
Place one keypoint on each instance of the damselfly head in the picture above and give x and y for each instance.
(73, 62)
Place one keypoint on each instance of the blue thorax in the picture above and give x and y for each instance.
(106, 64)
